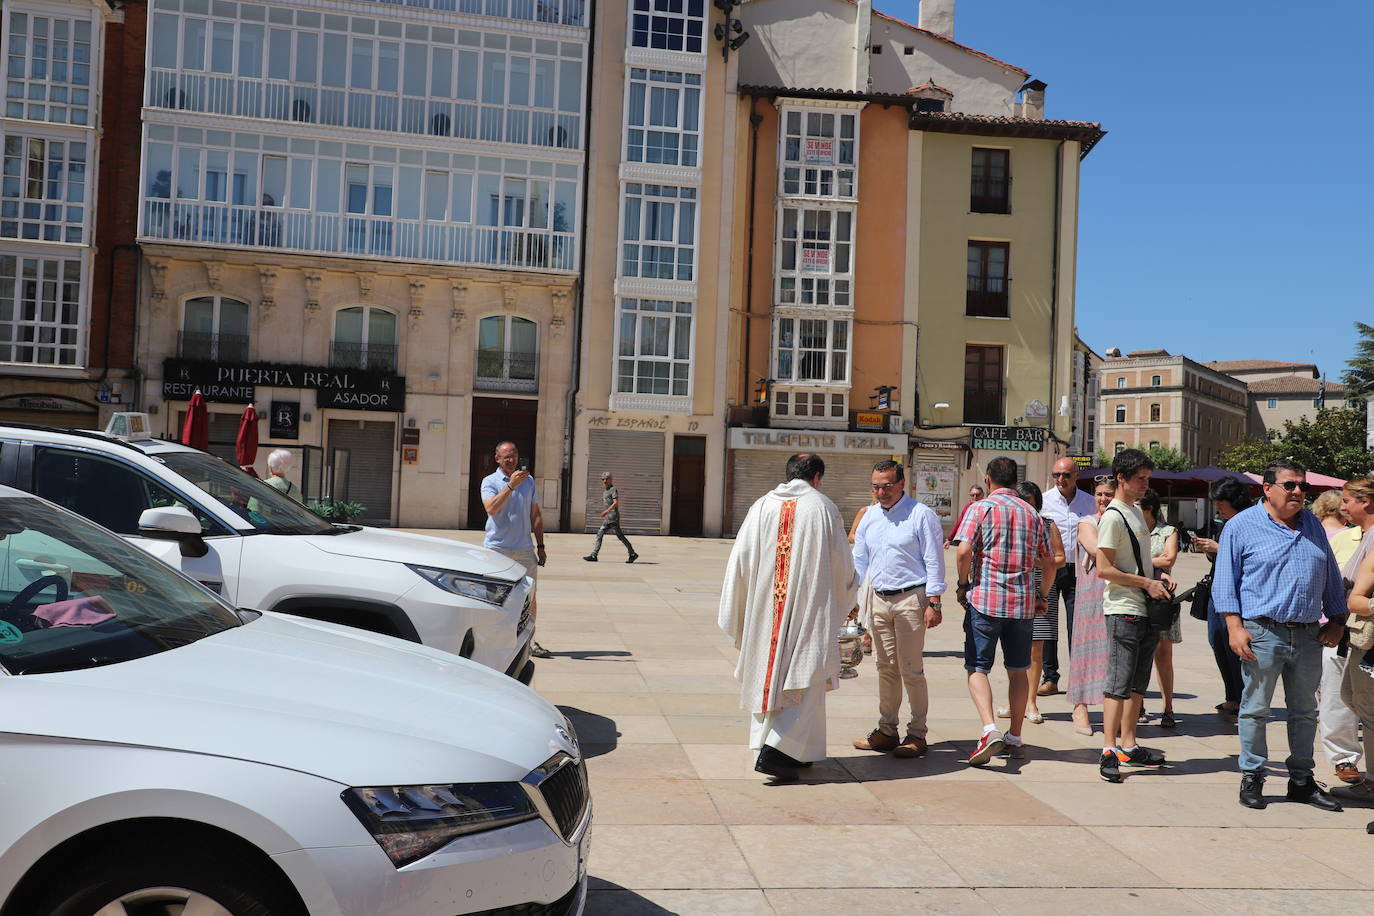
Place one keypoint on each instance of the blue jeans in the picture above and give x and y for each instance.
(1228, 663)
(1293, 655)
(982, 633)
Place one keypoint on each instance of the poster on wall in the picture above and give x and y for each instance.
(820, 149)
(816, 259)
(933, 484)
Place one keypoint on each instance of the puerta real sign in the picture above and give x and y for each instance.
(1009, 438)
(237, 383)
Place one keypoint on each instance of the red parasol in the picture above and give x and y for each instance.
(195, 432)
(246, 445)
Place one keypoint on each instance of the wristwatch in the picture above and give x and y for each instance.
(933, 600)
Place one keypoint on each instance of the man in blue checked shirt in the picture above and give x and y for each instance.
(1275, 578)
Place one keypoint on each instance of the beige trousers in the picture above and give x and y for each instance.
(899, 643)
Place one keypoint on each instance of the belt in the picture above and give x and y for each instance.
(1271, 622)
(889, 592)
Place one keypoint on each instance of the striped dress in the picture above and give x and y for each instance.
(1088, 651)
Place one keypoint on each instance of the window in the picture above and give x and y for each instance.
(1120, 413)
(659, 232)
(931, 105)
(814, 257)
(821, 405)
(1273, 402)
(40, 310)
(655, 347)
(216, 328)
(48, 73)
(983, 384)
(663, 117)
(105, 491)
(987, 279)
(811, 350)
(370, 74)
(990, 188)
(1155, 381)
(819, 152)
(670, 25)
(507, 354)
(1154, 413)
(364, 338)
(43, 192)
(1121, 381)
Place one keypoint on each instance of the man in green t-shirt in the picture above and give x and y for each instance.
(610, 519)
(1131, 641)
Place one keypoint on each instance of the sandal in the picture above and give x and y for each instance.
(1144, 718)
(1167, 720)
(1004, 712)
(1035, 718)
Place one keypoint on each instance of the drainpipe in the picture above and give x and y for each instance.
(755, 121)
(565, 484)
(1056, 226)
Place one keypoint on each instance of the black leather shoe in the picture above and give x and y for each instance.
(773, 762)
(1307, 790)
(1252, 791)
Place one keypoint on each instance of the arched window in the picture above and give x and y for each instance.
(214, 327)
(1121, 413)
(364, 338)
(1154, 413)
(507, 354)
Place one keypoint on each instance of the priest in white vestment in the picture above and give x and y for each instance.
(788, 586)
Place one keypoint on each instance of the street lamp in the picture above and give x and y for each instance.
(729, 33)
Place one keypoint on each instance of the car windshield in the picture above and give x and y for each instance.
(73, 595)
(266, 509)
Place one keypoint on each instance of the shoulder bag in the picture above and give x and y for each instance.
(1161, 612)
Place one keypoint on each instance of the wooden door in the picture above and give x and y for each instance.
(689, 485)
(496, 420)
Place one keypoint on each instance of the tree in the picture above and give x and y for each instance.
(1165, 457)
(1332, 443)
(1359, 378)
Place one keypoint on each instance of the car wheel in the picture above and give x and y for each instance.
(170, 885)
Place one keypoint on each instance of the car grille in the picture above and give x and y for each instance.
(560, 907)
(567, 796)
(524, 616)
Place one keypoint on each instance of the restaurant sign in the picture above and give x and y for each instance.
(1009, 438)
(237, 383)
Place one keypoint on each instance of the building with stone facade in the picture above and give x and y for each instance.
(366, 219)
(1153, 397)
(896, 293)
(1281, 391)
(67, 262)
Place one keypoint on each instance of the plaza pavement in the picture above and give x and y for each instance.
(684, 825)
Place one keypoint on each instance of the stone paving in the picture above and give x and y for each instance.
(684, 825)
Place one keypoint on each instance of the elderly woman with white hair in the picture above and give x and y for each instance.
(278, 463)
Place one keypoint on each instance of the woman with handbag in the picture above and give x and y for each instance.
(1163, 554)
(1358, 687)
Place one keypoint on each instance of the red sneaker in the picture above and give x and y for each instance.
(989, 746)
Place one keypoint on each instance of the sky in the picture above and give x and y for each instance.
(1227, 213)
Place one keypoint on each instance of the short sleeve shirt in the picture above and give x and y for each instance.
(509, 528)
(1112, 534)
(608, 499)
(1007, 537)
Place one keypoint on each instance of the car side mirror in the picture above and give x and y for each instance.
(174, 523)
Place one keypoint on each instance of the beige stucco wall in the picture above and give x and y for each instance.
(438, 310)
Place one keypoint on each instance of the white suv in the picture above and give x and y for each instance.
(262, 550)
(168, 754)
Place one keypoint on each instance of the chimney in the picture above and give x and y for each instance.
(1032, 103)
(863, 26)
(937, 16)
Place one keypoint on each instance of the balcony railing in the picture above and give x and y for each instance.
(230, 225)
(560, 12)
(232, 348)
(986, 297)
(346, 355)
(983, 407)
(498, 370)
(309, 103)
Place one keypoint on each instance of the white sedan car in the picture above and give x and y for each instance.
(166, 754)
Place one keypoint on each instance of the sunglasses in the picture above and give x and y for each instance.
(1058, 474)
(1102, 478)
(1291, 485)
(884, 487)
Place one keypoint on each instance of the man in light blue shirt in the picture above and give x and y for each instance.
(513, 518)
(1066, 506)
(900, 548)
(1275, 578)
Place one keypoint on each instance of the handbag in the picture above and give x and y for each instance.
(1361, 631)
(1201, 595)
(1160, 612)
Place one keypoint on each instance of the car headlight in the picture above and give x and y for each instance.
(492, 591)
(410, 822)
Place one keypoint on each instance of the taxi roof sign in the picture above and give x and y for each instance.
(131, 427)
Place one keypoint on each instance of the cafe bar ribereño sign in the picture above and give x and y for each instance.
(1009, 438)
(237, 383)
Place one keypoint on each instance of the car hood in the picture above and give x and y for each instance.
(419, 549)
(358, 708)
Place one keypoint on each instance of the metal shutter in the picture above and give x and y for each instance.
(848, 482)
(63, 419)
(635, 460)
(224, 433)
(371, 447)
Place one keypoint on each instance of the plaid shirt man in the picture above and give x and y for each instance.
(1008, 537)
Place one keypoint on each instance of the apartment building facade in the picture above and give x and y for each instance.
(1153, 397)
(1281, 392)
(904, 298)
(365, 218)
(66, 253)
